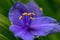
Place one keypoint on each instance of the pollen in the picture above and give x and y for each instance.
(24, 14)
(20, 17)
(41, 9)
(29, 14)
(33, 13)
(31, 18)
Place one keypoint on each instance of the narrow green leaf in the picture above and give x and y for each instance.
(6, 33)
(46, 7)
(4, 29)
(12, 1)
(4, 20)
(17, 38)
(40, 38)
(3, 25)
(5, 4)
(2, 37)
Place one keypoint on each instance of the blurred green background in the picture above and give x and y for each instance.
(50, 8)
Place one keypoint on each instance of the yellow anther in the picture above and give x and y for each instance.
(31, 18)
(20, 17)
(25, 14)
(29, 14)
(41, 9)
(33, 13)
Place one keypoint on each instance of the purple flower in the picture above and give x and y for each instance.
(28, 21)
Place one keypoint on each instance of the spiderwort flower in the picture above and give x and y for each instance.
(28, 21)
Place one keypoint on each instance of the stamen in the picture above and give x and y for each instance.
(20, 17)
(31, 18)
(24, 14)
(41, 9)
(33, 13)
(29, 14)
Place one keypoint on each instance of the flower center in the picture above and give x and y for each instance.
(27, 14)
(27, 17)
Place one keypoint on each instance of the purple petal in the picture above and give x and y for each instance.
(14, 17)
(56, 29)
(21, 32)
(26, 35)
(42, 30)
(15, 13)
(21, 7)
(16, 29)
(34, 8)
(43, 25)
(44, 20)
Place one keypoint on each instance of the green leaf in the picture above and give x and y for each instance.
(5, 20)
(6, 32)
(4, 27)
(46, 7)
(5, 6)
(2, 37)
(53, 37)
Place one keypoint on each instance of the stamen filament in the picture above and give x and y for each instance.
(27, 14)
